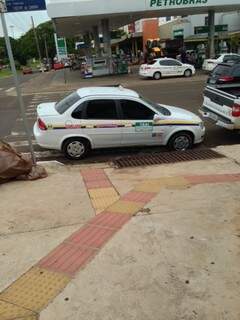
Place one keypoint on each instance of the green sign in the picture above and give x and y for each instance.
(205, 29)
(169, 3)
(62, 50)
(178, 33)
(144, 127)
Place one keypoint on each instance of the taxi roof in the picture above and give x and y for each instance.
(107, 91)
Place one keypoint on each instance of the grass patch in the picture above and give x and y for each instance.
(5, 73)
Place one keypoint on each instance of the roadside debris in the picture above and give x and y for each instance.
(14, 165)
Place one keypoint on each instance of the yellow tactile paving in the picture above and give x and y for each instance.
(103, 203)
(9, 311)
(102, 192)
(35, 289)
(155, 185)
(128, 207)
(102, 198)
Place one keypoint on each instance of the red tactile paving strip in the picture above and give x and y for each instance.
(98, 184)
(67, 259)
(138, 196)
(213, 178)
(110, 220)
(83, 245)
(91, 236)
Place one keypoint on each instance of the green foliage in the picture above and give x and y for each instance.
(25, 48)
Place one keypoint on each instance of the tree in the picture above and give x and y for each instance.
(25, 47)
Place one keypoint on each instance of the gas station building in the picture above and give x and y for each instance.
(82, 17)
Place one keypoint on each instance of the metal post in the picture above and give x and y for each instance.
(107, 42)
(211, 35)
(37, 43)
(15, 76)
(96, 40)
(46, 48)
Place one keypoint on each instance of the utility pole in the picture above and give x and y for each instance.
(37, 43)
(46, 48)
(15, 77)
(12, 28)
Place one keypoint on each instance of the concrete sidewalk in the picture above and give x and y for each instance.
(177, 258)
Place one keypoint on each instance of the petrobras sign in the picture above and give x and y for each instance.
(168, 4)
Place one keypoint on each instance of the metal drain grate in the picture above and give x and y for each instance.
(165, 157)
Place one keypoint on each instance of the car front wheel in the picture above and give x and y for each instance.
(181, 141)
(76, 148)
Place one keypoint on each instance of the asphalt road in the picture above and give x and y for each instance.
(9, 110)
(178, 92)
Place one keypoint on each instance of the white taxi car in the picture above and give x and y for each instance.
(166, 67)
(103, 117)
(210, 64)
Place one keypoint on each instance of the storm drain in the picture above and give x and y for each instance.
(165, 157)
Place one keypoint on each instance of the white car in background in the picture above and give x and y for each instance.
(106, 117)
(210, 64)
(166, 67)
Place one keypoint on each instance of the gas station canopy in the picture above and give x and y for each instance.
(74, 17)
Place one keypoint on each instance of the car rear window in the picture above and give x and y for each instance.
(222, 70)
(63, 105)
(152, 62)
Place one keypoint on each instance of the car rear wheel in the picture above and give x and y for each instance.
(181, 141)
(187, 73)
(76, 148)
(157, 76)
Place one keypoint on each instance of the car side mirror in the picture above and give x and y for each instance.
(156, 117)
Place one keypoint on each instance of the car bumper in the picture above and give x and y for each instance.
(208, 67)
(216, 119)
(143, 74)
(200, 135)
(43, 140)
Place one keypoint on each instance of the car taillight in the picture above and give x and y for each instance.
(226, 79)
(236, 110)
(41, 124)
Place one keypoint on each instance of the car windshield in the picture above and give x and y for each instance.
(157, 107)
(218, 56)
(67, 102)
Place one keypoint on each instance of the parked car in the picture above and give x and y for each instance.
(27, 70)
(58, 66)
(225, 73)
(106, 117)
(222, 97)
(166, 67)
(210, 64)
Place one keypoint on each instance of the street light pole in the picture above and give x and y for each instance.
(15, 77)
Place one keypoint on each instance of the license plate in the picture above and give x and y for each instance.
(213, 116)
(212, 81)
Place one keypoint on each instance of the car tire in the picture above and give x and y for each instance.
(181, 141)
(76, 148)
(157, 75)
(187, 73)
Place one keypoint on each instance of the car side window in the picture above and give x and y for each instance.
(164, 62)
(101, 109)
(78, 112)
(236, 72)
(133, 110)
(170, 63)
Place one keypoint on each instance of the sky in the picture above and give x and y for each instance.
(20, 22)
